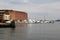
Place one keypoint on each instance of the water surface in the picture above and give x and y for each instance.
(31, 32)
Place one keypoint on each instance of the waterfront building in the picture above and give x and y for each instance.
(12, 15)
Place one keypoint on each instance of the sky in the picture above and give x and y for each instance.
(36, 9)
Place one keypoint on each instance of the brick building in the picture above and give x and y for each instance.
(12, 15)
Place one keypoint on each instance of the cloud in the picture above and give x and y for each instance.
(19, 1)
(46, 8)
(50, 9)
(31, 7)
(26, 1)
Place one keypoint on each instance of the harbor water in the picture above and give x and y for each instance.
(31, 32)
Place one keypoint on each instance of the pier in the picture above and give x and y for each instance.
(7, 25)
(4, 25)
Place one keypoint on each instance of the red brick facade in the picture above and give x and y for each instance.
(14, 15)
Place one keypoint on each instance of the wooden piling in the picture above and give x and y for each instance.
(12, 24)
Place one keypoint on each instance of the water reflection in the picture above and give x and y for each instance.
(31, 32)
(1, 34)
(12, 31)
(4, 32)
(21, 25)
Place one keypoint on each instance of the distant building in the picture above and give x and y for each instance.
(12, 15)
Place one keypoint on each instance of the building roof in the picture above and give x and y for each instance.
(13, 11)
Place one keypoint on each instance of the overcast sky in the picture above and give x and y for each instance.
(36, 9)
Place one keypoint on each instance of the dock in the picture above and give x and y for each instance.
(4, 25)
(7, 25)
